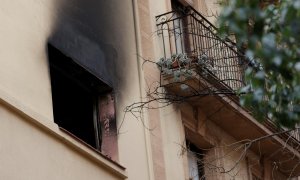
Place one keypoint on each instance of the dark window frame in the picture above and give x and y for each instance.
(76, 97)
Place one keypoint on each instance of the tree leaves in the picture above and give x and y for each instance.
(270, 33)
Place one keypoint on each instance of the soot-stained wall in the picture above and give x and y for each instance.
(80, 30)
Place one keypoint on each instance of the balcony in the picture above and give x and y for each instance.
(187, 35)
(199, 67)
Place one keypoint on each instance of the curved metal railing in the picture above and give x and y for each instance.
(188, 32)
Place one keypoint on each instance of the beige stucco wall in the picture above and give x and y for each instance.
(25, 27)
(28, 152)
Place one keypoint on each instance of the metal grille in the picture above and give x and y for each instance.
(188, 32)
(296, 133)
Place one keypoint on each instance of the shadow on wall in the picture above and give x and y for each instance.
(80, 32)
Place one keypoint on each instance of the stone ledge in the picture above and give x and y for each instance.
(49, 127)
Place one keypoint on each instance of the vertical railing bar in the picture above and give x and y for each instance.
(229, 69)
(236, 62)
(196, 37)
(201, 38)
(237, 72)
(163, 39)
(224, 54)
(165, 55)
(225, 63)
(221, 53)
(218, 51)
(192, 35)
(218, 59)
(175, 39)
(233, 75)
(170, 39)
(212, 48)
(181, 30)
(192, 49)
(208, 50)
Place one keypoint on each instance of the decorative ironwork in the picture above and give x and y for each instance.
(187, 33)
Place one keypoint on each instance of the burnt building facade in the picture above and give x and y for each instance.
(71, 71)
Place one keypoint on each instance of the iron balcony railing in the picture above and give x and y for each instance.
(188, 33)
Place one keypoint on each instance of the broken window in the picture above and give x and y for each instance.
(83, 105)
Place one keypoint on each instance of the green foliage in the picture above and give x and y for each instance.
(270, 36)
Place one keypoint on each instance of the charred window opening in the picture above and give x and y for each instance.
(79, 100)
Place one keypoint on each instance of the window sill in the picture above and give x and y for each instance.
(91, 148)
(50, 128)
